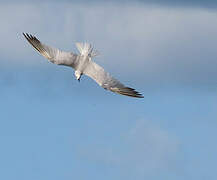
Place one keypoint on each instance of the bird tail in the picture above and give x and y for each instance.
(86, 49)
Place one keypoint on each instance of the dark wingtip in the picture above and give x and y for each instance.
(140, 96)
(28, 36)
(33, 41)
(130, 92)
(24, 34)
(135, 93)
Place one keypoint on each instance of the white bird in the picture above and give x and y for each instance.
(82, 64)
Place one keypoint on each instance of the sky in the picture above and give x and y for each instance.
(53, 127)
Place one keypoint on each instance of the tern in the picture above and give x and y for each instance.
(82, 64)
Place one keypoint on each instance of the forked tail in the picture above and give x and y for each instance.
(87, 50)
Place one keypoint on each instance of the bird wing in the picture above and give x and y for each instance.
(52, 54)
(104, 79)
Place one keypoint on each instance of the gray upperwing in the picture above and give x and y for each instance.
(103, 78)
(52, 54)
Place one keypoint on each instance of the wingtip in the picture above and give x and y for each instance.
(28, 36)
(24, 34)
(133, 93)
(126, 91)
(141, 96)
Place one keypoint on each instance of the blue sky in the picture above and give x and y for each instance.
(53, 127)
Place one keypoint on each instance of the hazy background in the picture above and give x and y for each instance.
(53, 127)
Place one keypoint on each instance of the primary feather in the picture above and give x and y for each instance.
(105, 80)
(52, 54)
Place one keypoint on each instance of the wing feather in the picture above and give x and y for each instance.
(52, 54)
(104, 79)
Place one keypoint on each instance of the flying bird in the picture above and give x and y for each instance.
(82, 64)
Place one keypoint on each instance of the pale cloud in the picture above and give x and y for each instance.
(212, 4)
(143, 150)
(152, 44)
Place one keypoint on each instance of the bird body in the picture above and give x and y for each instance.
(82, 64)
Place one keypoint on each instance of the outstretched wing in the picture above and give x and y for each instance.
(103, 78)
(52, 54)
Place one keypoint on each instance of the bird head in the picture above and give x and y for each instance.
(78, 75)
